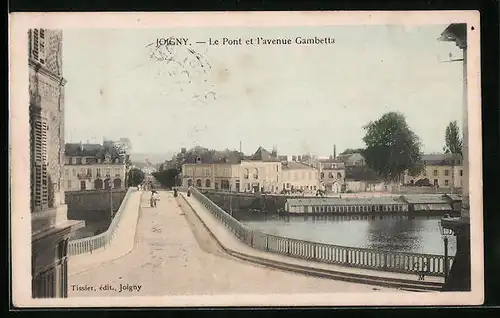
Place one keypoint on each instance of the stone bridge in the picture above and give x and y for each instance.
(180, 248)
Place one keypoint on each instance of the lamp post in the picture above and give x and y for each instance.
(460, 273)
(110, 184)
(445, 233)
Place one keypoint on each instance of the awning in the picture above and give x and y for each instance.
(433, 207)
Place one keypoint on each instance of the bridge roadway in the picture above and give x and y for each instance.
(174, 254)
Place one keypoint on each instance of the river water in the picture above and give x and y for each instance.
(417, 235)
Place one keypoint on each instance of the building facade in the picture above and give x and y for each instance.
(352, 160)
(300, 176)
(50, 227)
(442, 170)
(94, 167)
(332, 175)
(232, 171)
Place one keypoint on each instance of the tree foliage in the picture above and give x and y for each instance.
(354, 150)
(167, 178)
(135, 177)
(392, 147)
(453, 139)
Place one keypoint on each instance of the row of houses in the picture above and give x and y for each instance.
(447, 203)
(93, 166)
(265, 171)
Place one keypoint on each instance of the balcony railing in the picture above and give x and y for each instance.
(90, 244)
(403, 262)
(84, 175)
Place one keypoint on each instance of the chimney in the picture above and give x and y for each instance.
(334, 152)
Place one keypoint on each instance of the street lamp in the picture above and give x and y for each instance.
(445, 233)
(230, 201)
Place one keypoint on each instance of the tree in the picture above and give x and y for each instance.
(349, 151)
(392, 147)
(167, 178)
(135, 177)
(453, 139)
(453, 145)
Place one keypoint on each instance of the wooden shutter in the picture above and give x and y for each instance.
(40, 186)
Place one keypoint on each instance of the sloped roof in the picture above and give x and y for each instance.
(441, 159)
(213, 156)
(331, 160)
(425, 198)
(263, 155)
(294, 165)
(81, 150)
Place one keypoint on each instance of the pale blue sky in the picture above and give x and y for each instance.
(300, 98)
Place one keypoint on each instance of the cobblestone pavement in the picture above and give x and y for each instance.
(175, 255)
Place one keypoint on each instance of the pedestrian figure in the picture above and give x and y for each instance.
(175, 193)
(189, 192)
(421, 273)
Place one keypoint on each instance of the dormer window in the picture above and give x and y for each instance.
(198, 159)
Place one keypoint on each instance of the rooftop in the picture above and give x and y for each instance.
(293, 165)
(344, 201)
(425, 198)
(91, 150)
(441, 159)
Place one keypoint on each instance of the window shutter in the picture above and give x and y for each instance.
(37, 43)
(40, 193)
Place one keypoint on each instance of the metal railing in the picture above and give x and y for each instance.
(402, 262)
(92, 243)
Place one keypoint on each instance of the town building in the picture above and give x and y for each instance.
(352, 160)
(94, 167)
(230, 170)
(331, 174)
(441, 170)
(261, 172)
(299, 176)
(212, 170)
(50, 228)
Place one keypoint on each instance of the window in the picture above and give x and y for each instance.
(66, 172)
(69, 184)
(446, 172)
(78, 160)
(461, 173)
(330, 175)
(339, 175)
(107, 171)
(435, 173)
(89, 172)
(98, 172)
(245, 176)
(117, 172)
(207, 183)
(446, 182)
(198, 183)
(83, 185)
(256, 173)
(74, 172)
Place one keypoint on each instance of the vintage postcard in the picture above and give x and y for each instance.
(245, 159)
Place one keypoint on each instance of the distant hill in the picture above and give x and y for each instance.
(154, 158)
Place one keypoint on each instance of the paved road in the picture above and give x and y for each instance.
(174, 255)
